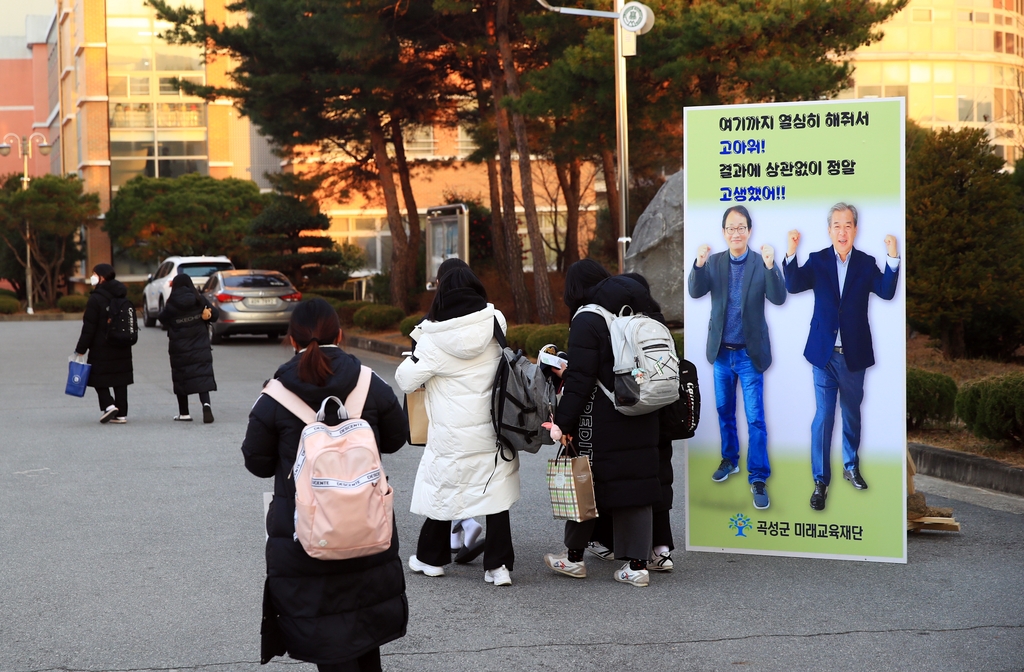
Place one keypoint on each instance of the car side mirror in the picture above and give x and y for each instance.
(149, 278)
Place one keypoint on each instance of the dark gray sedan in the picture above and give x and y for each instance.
(251, 302)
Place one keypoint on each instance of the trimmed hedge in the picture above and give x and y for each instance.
(348, 309)
(73, 303)
(931, 397)
(7, 292)
(993, 408)
(333, 293)
(309, 296)
(406, 326)
(9, 305)
(136, 292)
(377, 317)
(550, 333)
(516, 336)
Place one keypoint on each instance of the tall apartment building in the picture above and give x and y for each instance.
(959, 63)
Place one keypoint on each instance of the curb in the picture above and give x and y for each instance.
(981, 472)
(41, 317)
(382, 347)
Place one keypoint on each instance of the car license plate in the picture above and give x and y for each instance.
(261, 302)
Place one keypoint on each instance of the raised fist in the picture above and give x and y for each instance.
(768, 254)
(890, 246)
(703, 252)
(794, 240)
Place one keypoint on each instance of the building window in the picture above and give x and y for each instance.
(922, 15)
(466, 144)
(419, 141)
(869, 92)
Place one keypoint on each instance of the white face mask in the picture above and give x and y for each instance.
(94, 280)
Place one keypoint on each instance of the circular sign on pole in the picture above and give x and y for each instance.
(636, 17)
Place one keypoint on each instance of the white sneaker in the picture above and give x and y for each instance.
(182, 418)
(634, 577)
(499, 576)
(456, 542)
(119, 420)
(108, 415)
(660, 562)
(423, 568)
(562, 565)
(600, 550)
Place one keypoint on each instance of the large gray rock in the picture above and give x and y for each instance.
(657, 248)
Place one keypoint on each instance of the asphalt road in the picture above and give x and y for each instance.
(140, 547)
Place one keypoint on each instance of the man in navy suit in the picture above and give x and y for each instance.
(839, 343)
(739, 280)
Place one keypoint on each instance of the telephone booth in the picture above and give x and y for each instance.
(447, 237)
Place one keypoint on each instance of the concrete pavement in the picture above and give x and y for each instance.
(140, 547)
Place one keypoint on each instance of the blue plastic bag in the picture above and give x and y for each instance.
(78, 376)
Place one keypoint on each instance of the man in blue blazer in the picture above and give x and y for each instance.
(738, 345)
(839, 343)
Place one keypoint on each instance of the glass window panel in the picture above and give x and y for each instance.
(984, 110)
(920, 73)
(942, 73)
(869, 91)
(369, 247)
(364, 224)
(896, 38)
(179, 167)
(895, 92)
(919, 102)
(135, 33)
(964, 73)
(385, 252)
(130, 115)
(895, 73)
(868, 73)
(257, 280)
(127, 8)
(131, 148)
(982, 74)
(963, 16)
(167, 86)
(920, 38)
(117, 86)
(981, 17)
(182, 58)
(131, 58)
(139, 86)
(123, 170)
(943, 15)
(997, 41)
(182, 147)
(945, 108)
(965, 109)
(181, 114)
(965, 39)
(922, 15)
(943, 38)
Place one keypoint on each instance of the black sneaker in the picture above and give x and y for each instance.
(725, 469)
(207, 414)
(108, 415)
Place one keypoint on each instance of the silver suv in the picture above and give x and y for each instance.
(158, 285)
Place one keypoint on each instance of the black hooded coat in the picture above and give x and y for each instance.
(188, 340)
(323, 611)
(625, 448)
(111, 364)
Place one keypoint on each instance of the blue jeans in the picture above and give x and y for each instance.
(730, 367)
(835, 378)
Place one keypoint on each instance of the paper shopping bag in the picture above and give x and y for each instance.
(78, 376)
(416, 412)
(571, 487)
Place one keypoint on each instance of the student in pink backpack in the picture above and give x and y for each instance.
(334, 613)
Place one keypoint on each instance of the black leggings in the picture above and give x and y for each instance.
(119, 399)
(204, 397)
(368, 662)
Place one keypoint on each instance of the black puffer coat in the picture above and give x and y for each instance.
(625, 448)
(323, 611)
(188, 341)
(111, 364)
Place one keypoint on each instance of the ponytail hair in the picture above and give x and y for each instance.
(314, 323)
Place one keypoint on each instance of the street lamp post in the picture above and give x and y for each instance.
(25, 152)
(633, 18)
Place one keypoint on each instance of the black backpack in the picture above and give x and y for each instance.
(522, 398)
(122, 324)
(679, 420)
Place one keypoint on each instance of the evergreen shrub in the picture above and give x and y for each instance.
(931, 397)
(348, 309)
(516, 336)
(993, 408)
(406, 326)
(8, 292)
(558, 334)
(9, 305)
(73, 303)
(377, 317)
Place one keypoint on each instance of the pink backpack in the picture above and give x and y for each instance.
(343, 503)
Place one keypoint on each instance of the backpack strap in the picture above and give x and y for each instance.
(276, 390)
(499, 335)
(356, 399)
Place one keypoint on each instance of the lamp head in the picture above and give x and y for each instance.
(45, 148)
(5, 149)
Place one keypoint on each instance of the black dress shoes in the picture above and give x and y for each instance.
(854, 477)
(818, 498)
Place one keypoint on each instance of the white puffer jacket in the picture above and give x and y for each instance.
(457, 477)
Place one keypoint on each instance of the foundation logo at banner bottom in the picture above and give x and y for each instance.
(740, 523)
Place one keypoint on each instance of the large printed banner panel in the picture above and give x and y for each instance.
(802, 362)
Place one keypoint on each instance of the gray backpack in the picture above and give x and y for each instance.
(646, 364)
(521, 399)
